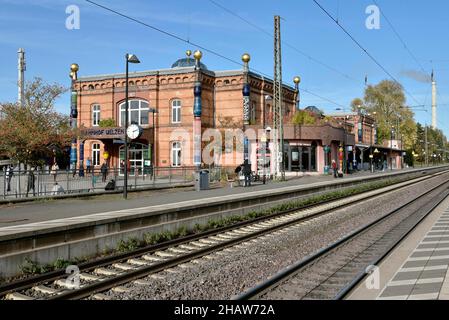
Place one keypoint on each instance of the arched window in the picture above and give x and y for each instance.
(176, 111)
(137, 112)
(176, 154)
(96, 115)
(96, 154)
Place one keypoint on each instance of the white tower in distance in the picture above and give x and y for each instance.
(21, 79)
(434, 102)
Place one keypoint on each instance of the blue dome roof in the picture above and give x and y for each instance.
(314, 110)
(187, 62)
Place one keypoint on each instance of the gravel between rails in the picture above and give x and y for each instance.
(227, 273)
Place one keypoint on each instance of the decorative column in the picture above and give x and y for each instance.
(197, 109)
(246, 103)
(73, 115)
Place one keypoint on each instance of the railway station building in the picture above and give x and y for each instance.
(164, 103)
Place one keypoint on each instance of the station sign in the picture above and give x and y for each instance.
(103, 133)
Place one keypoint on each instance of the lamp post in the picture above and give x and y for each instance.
(153, 151)
(130, 58)
(391, 146)
(73, 114)
(371, 156)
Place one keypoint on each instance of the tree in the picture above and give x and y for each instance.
(387, 101)
(34, 131)
(302, 117)
(107, 123)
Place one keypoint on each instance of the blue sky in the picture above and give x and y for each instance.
(103, 39)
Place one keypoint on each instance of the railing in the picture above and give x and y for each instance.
(42, 183)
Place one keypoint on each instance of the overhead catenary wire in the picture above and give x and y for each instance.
(361, 47)
(400, 39)
(262, 30)
(179, 38)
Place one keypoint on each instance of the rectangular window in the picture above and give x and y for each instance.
(96, 154)
(176, 154)
(96, 115)
(176, 111)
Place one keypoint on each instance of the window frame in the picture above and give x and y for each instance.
(178, 154)
(96, 115)
(140, 110)
(176, 109)
(96, 160)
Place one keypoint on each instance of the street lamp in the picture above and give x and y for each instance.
(391, 147)
(371, 156)
(130, 58)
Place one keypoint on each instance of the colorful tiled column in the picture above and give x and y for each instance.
(246, 103)
(197, 109)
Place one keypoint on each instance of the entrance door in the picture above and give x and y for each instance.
(305, 159)
(138, 153)
(296, 161)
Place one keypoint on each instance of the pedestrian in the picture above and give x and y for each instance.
(104, 171)
(9, 174)
(54, 170)
(122, 166)
(31, 182)
(89, 165)
(334, 167)
(247, 173)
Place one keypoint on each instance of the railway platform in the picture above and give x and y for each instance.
(47, 210)
(417, 269)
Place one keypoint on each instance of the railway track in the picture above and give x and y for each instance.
(112, 272)
(335, 270)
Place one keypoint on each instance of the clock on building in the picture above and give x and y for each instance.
(134, 131)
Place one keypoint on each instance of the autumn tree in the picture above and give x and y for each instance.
(302, 117)
(387, 103)
(30, 133)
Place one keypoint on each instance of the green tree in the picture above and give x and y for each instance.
(302, 117)
(107, 123)
(387, 103)
(32, 132)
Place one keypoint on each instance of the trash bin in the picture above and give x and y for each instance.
(203, 181)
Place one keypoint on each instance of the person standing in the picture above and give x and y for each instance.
(334, 168)
(247, 173)
(89, 165)
(31, 182)
(104, 171)
(9, 174)
(54, 170)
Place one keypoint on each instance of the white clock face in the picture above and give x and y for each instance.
(133, 131)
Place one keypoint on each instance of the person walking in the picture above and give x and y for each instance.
(334, 168)
(31, 182)
(89, 165)
(104, 171)
(9, 174)
(247, 173)
(54, 170)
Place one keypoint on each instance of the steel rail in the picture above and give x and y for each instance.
(281, 276)
(358, 279)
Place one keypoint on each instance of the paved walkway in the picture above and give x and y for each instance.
(46, 210)
(419, 268)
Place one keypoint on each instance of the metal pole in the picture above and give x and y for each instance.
(125, 182)
(427, 148)
(371, 149)
(391, 151)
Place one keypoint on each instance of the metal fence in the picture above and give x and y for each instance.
(42, 183)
